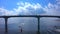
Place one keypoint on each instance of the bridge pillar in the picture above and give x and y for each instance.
(6, 26)
(38, 32)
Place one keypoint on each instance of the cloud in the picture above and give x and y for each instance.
(6, 12)
(23, 8)
(35, 8)
(52, 9)
(26, 8)
(58, 2)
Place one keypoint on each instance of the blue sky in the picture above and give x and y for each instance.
(10, 4)
(16, 7)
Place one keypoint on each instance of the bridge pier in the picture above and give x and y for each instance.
(6, 25)
(38, 32)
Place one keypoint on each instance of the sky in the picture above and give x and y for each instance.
(29, 7)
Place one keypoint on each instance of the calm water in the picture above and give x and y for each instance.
(47, 26)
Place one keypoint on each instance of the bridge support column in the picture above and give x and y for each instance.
(38, 32)
(6, 26)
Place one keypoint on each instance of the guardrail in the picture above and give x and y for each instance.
(36, 16)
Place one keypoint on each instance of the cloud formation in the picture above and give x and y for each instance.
(26, 8)
(6, 12)
(23, 8)
(52, 9)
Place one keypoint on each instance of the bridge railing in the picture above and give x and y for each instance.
(35, 16)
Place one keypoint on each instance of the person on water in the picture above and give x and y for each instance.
(20, 28)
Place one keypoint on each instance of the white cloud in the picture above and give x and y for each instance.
(6, 12)
(29, 5)
(37, 6)
(50, 5)
(23, 8)
(27, 8)
(49, 9)
(52, 9)
(58, 2)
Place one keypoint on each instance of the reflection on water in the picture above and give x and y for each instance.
(47, 26)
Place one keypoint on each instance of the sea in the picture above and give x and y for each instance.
(30, 26)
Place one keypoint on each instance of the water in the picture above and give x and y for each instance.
(47, 26)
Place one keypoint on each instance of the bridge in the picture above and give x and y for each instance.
(35, 16)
